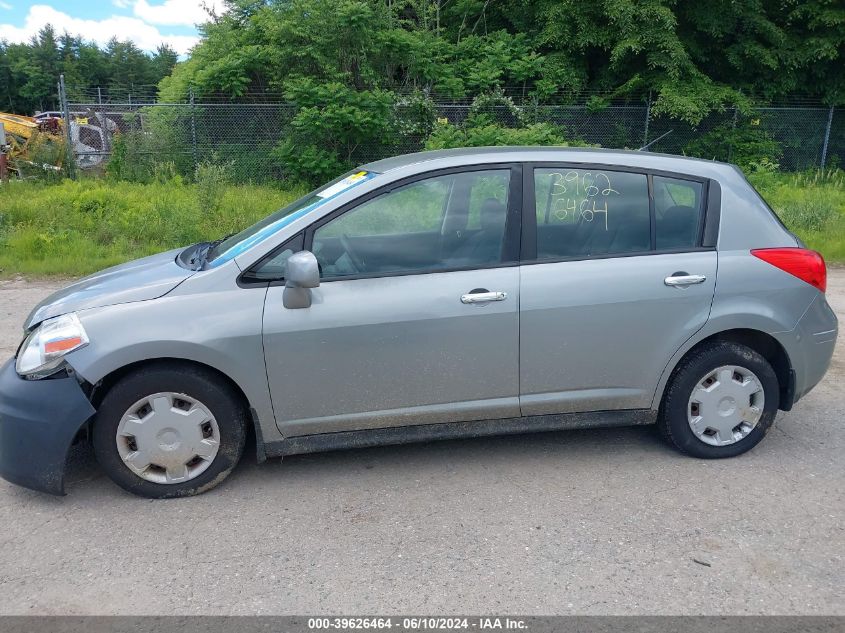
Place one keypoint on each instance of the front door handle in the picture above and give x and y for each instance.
(483, 296)
(682, 280)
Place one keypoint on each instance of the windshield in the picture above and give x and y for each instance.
(239, 243)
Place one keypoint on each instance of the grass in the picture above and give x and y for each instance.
(812, 205)
(75, 228)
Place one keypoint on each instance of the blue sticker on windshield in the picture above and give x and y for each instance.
(329, 193)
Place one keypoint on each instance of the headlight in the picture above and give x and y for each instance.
(42, 352)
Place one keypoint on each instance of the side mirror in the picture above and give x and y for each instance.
(301, 273)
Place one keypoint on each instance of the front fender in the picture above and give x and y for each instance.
(220, 329)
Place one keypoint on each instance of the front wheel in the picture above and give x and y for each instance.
(169, 430)
(720, 402)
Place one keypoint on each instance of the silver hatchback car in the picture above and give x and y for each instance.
(434, 295)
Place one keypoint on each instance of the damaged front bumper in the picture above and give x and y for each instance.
(39, 420)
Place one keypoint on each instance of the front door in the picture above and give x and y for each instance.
(616, 282)
(416, 320)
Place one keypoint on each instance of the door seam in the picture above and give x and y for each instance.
(519, 340)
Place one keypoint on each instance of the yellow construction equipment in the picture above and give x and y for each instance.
(30, 142)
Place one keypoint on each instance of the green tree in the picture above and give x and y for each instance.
(40, 70)
(162, 62)
(29, 72)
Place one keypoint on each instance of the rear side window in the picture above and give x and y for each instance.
(582, 213)
(677, 211)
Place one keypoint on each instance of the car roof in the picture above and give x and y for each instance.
(587, 155)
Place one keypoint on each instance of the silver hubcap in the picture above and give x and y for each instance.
(725, 405)
(168, 438)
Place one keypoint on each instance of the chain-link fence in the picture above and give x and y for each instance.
(146, 135)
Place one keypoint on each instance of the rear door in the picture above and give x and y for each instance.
(614, 280)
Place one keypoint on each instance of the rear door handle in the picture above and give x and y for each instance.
(682, 279)
(483, 297)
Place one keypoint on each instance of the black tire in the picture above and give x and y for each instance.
(672, 419)
(203, 385)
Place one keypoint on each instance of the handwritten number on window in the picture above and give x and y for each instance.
(583, 195)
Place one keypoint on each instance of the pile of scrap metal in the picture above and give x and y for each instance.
(38, 144)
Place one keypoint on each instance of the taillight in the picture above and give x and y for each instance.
(805, 264)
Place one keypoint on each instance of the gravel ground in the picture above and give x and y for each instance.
(587, 522)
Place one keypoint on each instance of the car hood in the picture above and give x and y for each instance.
(139, 280)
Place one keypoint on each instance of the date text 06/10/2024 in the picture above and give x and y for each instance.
(417, 623)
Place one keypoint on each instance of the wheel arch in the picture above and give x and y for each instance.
(99, 390)
(102, 387)
(761, 342)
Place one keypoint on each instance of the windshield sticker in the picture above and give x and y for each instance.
(344, 184)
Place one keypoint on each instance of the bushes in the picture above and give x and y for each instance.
(446, 135)
(744, 144)
(482, 128)
(212, 179)
(334, 129)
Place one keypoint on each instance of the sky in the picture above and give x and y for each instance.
(148, 23)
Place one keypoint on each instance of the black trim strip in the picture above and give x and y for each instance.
(452, 430)
(512, 247)
(713, 215)
(652, 214)
(702, 214)
(406, 273)
(616, 168)
(529, 215)
(649, 253)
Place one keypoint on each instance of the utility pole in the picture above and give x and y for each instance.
(647, 117)
(68, 133)
(193, 127)
(827, 136)
(4, 160)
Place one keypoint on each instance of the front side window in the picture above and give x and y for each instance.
(438, 223)
(588, 212)
(241, 242)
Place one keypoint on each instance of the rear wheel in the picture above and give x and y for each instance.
(720, 402)
(169, 430)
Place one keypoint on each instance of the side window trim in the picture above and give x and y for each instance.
(512, 243)
(708, 212)
(245, 280)
(652, 214)
(712, 215)
(512, 246)
(529, 215)
(702, 214)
